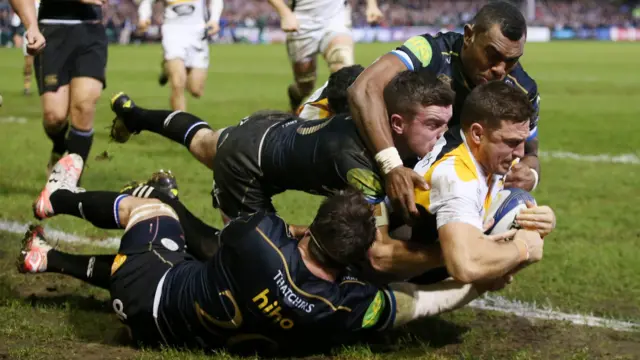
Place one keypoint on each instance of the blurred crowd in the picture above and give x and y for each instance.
(120, 16)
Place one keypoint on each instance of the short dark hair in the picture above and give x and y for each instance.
(339, 82)
(491, 103)
(512, 23)
(343, 230)
(409, 88)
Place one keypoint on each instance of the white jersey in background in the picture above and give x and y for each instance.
(184, 29)
(15, 22)
(193, 13)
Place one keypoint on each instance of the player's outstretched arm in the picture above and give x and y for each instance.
(215, 11)
(471, 256)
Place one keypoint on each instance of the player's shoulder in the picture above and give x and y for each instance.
(519, 78)
(429, 51)
(260, 227)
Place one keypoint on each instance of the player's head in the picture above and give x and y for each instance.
(337, 86)
(419, 107)
(493, 42)
(495, 120)
(343, 230)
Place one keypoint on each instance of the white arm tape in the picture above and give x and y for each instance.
(381, 214)
(417, 301)
(535, 174)
(388, 159)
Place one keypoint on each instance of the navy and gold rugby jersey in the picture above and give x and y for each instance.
(257, 293)
(440, 54)
(320, 157)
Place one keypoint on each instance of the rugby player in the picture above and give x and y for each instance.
(264, 290)
(313, 27)
(270, 152)
(70, 72)
(185, 32)
(20, 40)
(331, 98)
(489, 49)
(466, 176)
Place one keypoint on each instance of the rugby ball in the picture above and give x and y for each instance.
(504, 208)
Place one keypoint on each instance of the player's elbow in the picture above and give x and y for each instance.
(464, 269)
(381, 257)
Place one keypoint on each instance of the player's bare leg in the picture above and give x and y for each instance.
(178, 81)
(304, 74)
(196, 80)
(339, 52)
(85, 92)
(28, 73)
(55, 109)
(184, 128)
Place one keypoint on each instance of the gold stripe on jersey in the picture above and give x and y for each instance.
(293, 285)
(462, 163)
(515, 81)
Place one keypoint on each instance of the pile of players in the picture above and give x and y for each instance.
(389, 244)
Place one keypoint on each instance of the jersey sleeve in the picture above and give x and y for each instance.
(372, 308)
(360, 175)
(534, 97)
(417, 53)
(453, 194)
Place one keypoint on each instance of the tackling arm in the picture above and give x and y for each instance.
(367, 103)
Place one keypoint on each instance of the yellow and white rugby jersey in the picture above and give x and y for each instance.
(184, 12)
(460, 191)
(317, 105)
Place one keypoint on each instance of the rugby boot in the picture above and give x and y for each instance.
(163, 181)
(33, 254)
(121, 103)
(64, 175)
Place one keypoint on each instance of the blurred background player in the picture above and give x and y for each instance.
(317, 26)
(20, 41)
(185, 33)
(70, 70)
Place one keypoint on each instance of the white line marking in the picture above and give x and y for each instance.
(487, 302)
(53, 234)
(527, 310)
(631, 159)
(13, 119)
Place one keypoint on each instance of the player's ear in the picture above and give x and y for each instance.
(397, 123)
(476, 132)
(468, 35)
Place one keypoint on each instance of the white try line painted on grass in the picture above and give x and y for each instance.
(631, 159)
(487, 302)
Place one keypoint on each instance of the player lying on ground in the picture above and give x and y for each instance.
(270, 153)
(263, 290)
(489, 50)
(331, 98)
(465, 178)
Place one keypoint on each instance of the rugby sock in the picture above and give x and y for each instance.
(58, 137)
(79, 142)
(98, 207)
(201, 239)
(176, 125)
(94, 269)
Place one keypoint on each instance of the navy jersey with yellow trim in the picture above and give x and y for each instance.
(320, 157)
(257, 293)
(440, 55)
